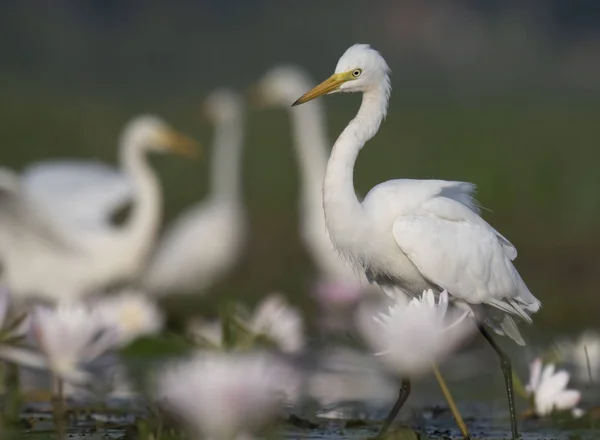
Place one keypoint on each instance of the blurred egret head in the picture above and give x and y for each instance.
(360, 69)
(279, 87)
(153, 134)
(222, 105)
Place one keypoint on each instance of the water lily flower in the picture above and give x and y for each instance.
(131, 313)
(71, 335)
(413, 334)
(225, 395)
(275, 319)
(548, 388)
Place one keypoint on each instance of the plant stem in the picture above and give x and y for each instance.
(59, 405)
(451, 403)
(589, 365)
(13, 397)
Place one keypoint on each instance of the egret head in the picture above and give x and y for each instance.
(280, 86)
(222, 105)
(360, 69)
(153, 134)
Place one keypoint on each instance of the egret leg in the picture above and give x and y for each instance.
(505, 364)
(402, 396)
(451, 403)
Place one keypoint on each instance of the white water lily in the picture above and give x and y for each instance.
(223, 396)
(279, 322)
(411, 335)
(71, 335)
(273, 319)
(548, 388)
(131, 313)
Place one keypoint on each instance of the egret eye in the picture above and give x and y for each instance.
(356, 73)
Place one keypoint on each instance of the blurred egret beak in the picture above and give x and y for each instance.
(179, 144)
(331, 84)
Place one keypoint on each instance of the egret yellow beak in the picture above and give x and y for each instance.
(178, 143)
(331, 84)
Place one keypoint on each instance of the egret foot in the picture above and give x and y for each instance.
(505, 364)
(402, 396)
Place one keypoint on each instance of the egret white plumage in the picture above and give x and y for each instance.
(413, 235)
(206, 240)
(56, 239)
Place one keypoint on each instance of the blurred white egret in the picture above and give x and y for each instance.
(205, 241)
(280, 87)
(56, 239)
(340, 286)
(413, 235)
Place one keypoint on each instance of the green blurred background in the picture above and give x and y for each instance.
(501, 93)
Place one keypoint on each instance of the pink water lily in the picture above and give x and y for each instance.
(225, 395)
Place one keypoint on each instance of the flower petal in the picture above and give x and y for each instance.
(548, 372)
(567, 399)
(429, 298)
(443, 304)
(535, 372)
(555, 384)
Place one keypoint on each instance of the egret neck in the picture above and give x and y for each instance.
(145, 216)
(225, 164)
(339, 198)
(309, 131)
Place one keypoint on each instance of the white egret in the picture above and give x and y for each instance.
(56, 239)
(279, 87)
(205, 241)
(413, 235)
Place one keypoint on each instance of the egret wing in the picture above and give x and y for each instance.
(77, 193)
(19, 218)
(456, 249)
